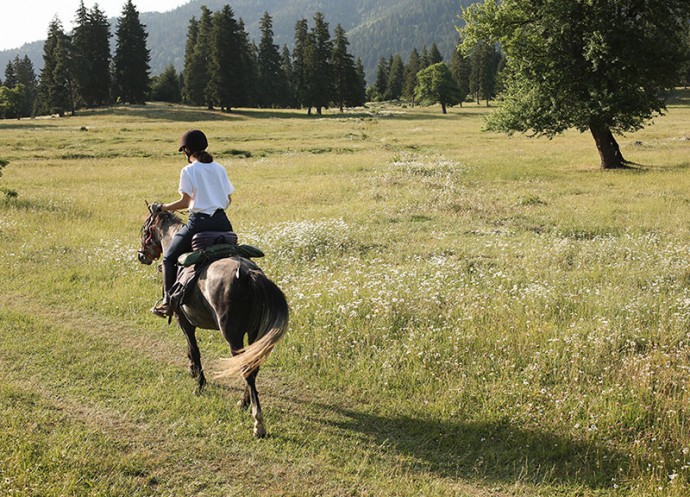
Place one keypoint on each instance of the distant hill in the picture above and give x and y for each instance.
(375, 28)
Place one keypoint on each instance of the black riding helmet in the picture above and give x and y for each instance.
(195, 141)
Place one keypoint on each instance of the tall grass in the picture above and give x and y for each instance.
(472, 314)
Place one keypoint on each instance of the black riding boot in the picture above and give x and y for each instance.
(162, 309)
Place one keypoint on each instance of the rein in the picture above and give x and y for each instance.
(150, 247)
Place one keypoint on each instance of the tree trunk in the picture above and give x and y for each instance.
(609, 151)
(443, 107)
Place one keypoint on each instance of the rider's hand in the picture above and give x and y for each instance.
(155, 208)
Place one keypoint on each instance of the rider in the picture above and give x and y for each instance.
(206, 190)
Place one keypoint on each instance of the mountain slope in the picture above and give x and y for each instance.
(375, 28)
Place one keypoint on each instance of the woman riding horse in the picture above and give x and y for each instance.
(206, 191)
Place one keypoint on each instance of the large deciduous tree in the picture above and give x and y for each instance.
(437, 85)
(601, 66)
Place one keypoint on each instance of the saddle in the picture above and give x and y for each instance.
(207, 247)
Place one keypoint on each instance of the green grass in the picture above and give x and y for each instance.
(472, 314)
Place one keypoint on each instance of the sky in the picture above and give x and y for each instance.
(25, 21)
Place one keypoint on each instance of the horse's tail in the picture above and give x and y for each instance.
(268, 324)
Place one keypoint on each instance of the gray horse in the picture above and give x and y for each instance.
(231, 295)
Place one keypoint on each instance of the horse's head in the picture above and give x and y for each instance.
(151, 247)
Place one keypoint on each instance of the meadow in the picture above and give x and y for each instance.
(471, 314)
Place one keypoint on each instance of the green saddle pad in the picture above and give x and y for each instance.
(218, 251)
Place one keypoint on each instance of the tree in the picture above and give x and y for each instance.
(91, 57)
(319, 64)
(10, 75)
(166, 87)
(396, 78)
(287, 98)
(381, 83)
(461, 69)
(436, 84)
(55, 86)
(224, 86)
(435, 55)
(483, 61)
(599, 66)
(301, 83)
(271, 76)
(131, 61)
(412, 67)
(24, 75)
(344, 71)
(192, 87)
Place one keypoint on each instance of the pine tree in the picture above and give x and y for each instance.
(270, 74)
(461, 69)
(91, 57)
(396, 78)
(166, 87)
(359, 95)
(381, 84)
(320, 69)
(301, 82)
(287, 98)
(192, 89)
(202, 57)
(484, 65)
(55, 87)
(435, 55)
(411, 69)
(24, 75)
(10, 75)
(248, 69)
(131, 61)
(344, 72)
(224, 87)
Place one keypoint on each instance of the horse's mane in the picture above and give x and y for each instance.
(167, 218)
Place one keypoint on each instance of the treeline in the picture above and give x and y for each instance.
(224, 69)
(474, 77)
(78, 68)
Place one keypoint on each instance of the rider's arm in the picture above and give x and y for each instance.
(183, 203)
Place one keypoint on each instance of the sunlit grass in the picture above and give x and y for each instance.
(472, 314)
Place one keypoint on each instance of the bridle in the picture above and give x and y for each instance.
(151, 247)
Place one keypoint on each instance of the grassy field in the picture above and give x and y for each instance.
(472, 314)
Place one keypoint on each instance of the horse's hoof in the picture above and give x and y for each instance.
(260, 432)
(242, 404)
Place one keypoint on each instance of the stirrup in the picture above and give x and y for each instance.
(162, 309)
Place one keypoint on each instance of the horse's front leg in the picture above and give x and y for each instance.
(193, 353)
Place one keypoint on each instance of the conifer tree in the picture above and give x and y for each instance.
(344, 72)
(131, 61)
(461, 69)
(359, 96)
(301, 82)
(248, 72)
(287, 98)
(319, 64)
(412, 67)
(483, 67)
(10, 76)
(91, 57)
(381, 84)
(192, 87)
(55, 87)
(435, 55)
(396, 78)
(166, 87)
(271, 77)
(24, 75)
(224, 86)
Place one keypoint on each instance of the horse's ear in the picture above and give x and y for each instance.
(147, 203)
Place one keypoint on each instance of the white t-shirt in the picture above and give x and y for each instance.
(208, 186)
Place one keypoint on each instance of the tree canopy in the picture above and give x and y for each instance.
(600, 66)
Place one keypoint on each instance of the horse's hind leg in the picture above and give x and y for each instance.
(193, 353)
(257, 415)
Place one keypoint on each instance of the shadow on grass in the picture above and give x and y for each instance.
(490, 451)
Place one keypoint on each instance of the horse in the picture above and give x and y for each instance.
(232, 295)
